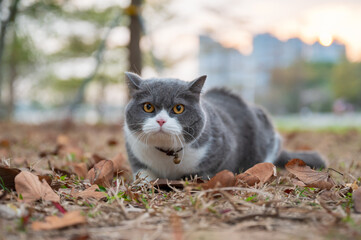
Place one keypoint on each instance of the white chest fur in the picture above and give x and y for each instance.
(161, 165)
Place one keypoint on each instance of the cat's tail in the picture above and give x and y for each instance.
(312, 159)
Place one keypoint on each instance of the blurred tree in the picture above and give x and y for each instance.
(135, 28)
(72, 45)
(61, 48)
(346, 82)
(3, 32)
(302, 85)
(19, 59)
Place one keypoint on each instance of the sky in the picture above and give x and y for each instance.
(234, 23)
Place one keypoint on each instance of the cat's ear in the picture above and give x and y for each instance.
(197, 84)
(133, 81)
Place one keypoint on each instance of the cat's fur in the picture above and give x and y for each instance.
(216, 131)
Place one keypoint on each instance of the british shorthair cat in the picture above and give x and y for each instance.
(173, 130)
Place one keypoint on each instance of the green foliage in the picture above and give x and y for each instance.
(346, 82)
(2, 185)
(314, 86)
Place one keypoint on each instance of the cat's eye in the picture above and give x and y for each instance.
(178, 109)
(148, 107)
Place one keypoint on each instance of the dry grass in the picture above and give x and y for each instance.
(279, 210)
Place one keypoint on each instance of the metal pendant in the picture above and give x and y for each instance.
(176, 159)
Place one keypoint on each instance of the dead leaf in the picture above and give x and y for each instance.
(121, 167)
(261, 172)
(176, 224)
(224, 178)
(112, 142)
(66, 150)
(101, 173)
(309, 176)
(353, 185)
(97, 158)
(63, 140)
(92, 192)
(298, 182)
(65, 147)
(55, 222)
(4, 153)
(4, 143)
(47, 178)
(20, 161)
(80, 169)
(356, 197)
(330, 196)
(303, 148)
(32, 189)
(7, 177)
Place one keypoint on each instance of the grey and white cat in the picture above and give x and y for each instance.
(169, 120)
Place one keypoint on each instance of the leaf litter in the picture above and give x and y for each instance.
(94, 193)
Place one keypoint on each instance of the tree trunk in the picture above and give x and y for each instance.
(3, 30)
(13, 73)
(135, 28)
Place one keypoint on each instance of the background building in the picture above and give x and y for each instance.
(251, 74)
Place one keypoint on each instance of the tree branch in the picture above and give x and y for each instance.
(99, 59)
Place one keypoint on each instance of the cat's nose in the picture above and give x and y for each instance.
(160, 122)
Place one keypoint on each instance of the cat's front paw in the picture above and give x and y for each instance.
(145, 174)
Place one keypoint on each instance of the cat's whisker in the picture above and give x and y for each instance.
(193, 138)
(181, 143)
(137, 139)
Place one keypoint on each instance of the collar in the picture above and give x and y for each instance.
(173, 153)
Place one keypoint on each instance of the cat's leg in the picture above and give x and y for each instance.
(147, 174)
(139, 169)
(312, 159)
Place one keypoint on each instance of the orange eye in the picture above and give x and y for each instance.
(148, 107)
(178, 109)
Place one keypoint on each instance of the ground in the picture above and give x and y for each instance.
(276, 210)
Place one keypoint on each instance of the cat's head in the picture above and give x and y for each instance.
(164, 112)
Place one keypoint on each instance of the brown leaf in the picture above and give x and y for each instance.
(353, 185)
(31, 189)
(47, 178)
(261, 172)
(55, 222)
(247, 179)
(309, 176)
(20, 161)
(66, 150)
(356, 197)
(112, 142)
(121, 167)
(224, 178)
(63, 140)
(65, 147)
(80, 169)
(92, 192)
(176, 224)
(97, 158)
(102, 173)
(4, 143)
(330, 196)
(298, 182)
(7, 177)
(4, 153)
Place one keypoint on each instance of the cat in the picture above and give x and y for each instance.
(173, 130)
